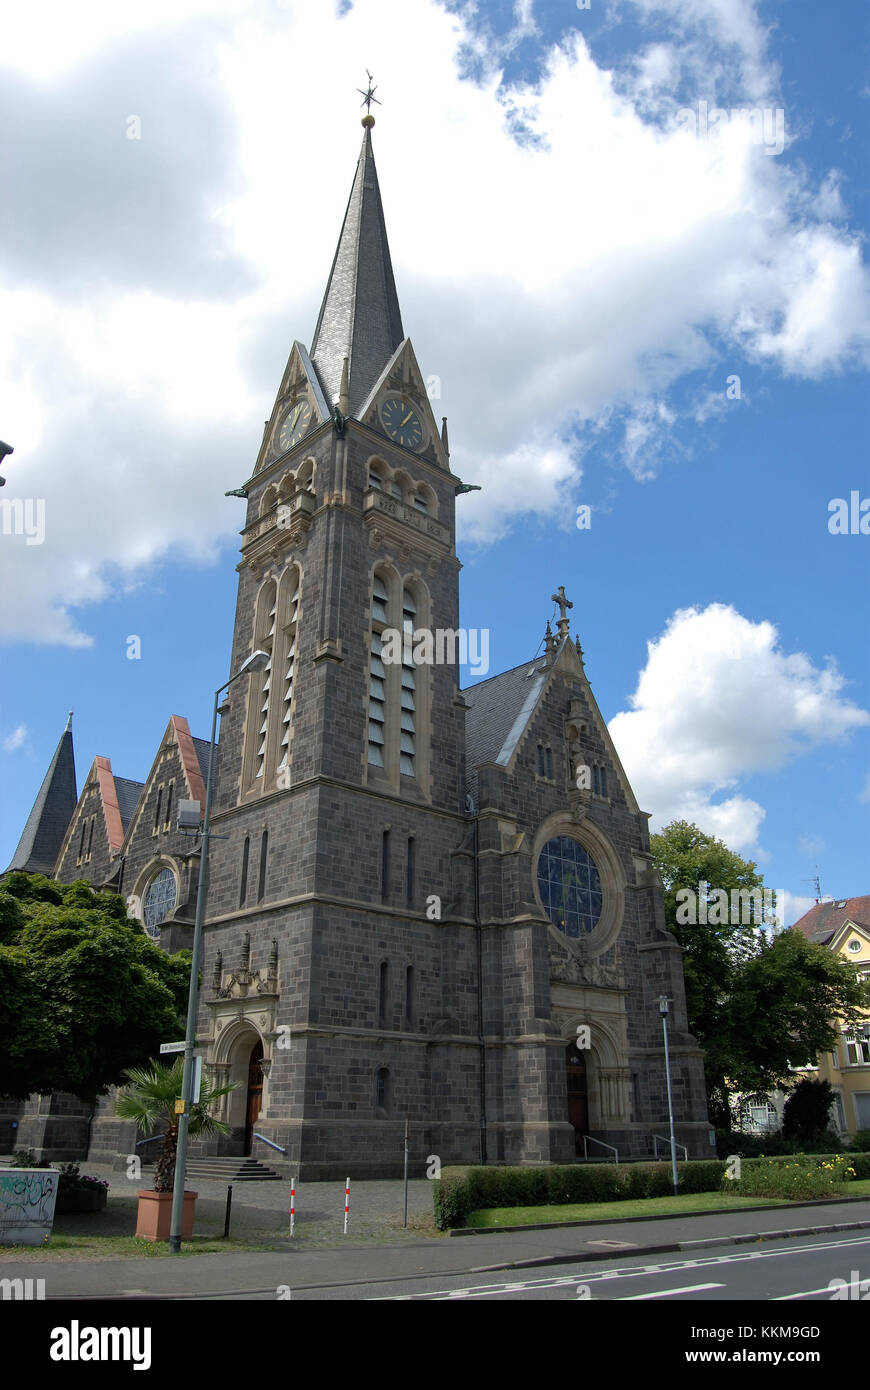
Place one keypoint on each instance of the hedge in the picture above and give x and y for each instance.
(460, 1191)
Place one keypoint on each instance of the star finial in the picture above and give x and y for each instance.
(368, 97)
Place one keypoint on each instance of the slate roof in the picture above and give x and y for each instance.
(498, 709)
(201, 747)
(128, 794)
(359, 317)
(52, 812)
(823, 920)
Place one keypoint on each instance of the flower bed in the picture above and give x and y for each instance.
(460, 1191)
(78, 1192)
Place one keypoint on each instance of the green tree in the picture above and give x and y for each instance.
(150, 1099)
(757, 1000)
(807, 1112)
(84, 993)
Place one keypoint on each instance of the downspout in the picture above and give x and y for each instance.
(480, 1027)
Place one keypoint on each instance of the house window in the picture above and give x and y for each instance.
(264, 851)
(243, 886)
(159, 901)
(855, 945)
(383, 978)
(858, 1047)
(382, 1089)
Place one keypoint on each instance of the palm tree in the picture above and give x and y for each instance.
(150, 1101)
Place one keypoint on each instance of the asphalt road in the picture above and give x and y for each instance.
(789, 1270)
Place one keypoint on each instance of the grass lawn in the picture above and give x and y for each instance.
(103, 1247)
(647, 1206)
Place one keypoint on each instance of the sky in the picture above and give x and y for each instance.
(629, 246)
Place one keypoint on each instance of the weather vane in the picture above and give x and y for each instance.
(368, 96)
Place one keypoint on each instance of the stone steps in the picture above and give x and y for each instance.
(230, 1170)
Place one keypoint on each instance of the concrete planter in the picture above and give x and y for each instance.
(93, 1199)
(154, 1216)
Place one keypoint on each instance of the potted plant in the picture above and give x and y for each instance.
(150, 1099)
(78, 1192)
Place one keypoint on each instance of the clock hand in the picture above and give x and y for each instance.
(407, 417)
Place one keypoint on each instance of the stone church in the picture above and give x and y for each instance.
(427, 903)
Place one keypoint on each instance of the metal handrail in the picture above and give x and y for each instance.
(152, 1140)
(656, 1137)
(593, 1140)
(269, 1142)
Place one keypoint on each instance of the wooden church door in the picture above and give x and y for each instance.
(255, 1093)
(578, 1105)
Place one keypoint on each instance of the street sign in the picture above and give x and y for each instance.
(172, 1047)
(197, 1078)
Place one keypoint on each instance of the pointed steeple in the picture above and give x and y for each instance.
(52, 811)
(359, 317)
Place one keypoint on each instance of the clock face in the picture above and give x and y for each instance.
(402, 423)
(294, 424)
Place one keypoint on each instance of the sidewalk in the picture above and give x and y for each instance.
(209, 1276)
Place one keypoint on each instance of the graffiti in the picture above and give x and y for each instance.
(27, 1198)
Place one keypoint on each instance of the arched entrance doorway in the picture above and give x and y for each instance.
(578, 1099)
(255, 1093)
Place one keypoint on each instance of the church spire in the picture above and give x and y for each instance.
(359, 317)
(52, 811)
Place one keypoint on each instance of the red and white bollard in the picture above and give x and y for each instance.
(346, 1204)
(292, 1204)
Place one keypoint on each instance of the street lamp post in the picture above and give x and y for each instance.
(256, 662)
(663, 1010)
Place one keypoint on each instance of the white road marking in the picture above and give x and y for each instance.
(668, 1293)
(784, 1297)
(628, 1271)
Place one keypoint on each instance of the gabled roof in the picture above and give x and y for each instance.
(52, 811)
(498, 708)
(359, 317)
(193, 754)
(822, 921)
(127, 793)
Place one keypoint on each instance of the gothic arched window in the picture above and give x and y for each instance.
(408, 733)
(159, 900)
(377, 675)
(570, 886)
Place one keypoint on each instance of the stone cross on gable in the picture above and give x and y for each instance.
(564, 603)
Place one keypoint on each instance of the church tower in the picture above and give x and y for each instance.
(341, 788)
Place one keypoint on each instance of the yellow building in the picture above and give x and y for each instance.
(844, 926)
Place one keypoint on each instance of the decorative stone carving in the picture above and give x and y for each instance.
(576, 967)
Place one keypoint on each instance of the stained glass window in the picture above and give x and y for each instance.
(569, 886)
(159, 900)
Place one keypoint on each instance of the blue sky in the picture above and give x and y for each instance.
(581, 272)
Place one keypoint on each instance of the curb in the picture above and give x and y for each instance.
(685, 1246)
(636, 1220)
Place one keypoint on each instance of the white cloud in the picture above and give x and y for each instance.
(793, 906)
(589, 267)
(16, 739)
(718, 700)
